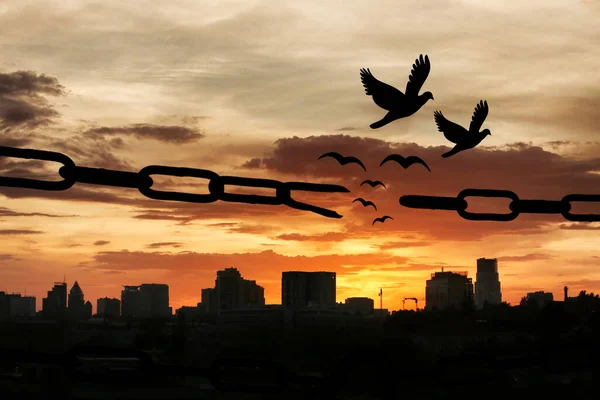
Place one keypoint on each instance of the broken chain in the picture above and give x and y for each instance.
(517, 206)
(142, 181)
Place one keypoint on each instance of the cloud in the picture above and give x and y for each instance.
(253, 163)
(253, 264)
(13, 232)
(323, 237)
(527, 257)
(23, 102)
(579, 226)
(163, 244)
(168, 134)
(8, 257)
(401, 245)
(101, 243)
(5, 212)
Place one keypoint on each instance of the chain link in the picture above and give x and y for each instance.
(143, 181)
(517, 206)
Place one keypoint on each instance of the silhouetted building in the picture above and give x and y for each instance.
(154, 301)
(109, 308)
(21, 306)
(130, 301)
(77, 308)
(232, 292)
(87, 310)
(303, 289)
(209, 302)
(253, 294)
(540, 298)
(55, 304)
(360, 305)
(229, 289)
(448, 289)
(4, 306)
(487, 284)
(566, 297)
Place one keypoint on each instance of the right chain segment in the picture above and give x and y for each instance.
(516, 207)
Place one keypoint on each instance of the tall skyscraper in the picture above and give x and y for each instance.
(55, 304)
(21, 306)
(130, 301)
(302, 289)
(209, 300)
(110, 308)
(231, 292)
(487, 284)
(154, 301)
(229, 289)
(448, 290)
(76, 306)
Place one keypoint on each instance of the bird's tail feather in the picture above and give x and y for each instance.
(450, 153)
(380, 123)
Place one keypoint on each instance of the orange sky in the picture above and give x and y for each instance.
(259, 89)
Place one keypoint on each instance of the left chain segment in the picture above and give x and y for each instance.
(142, 180)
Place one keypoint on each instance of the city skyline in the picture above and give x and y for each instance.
(321, 293)
(257, 89)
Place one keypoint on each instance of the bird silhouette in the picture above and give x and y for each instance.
(365, 203)
(372, 183)
(398, 104)
(344, 160)
(381, 219)
(405, 162)
(458, 135)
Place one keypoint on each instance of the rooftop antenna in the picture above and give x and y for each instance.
(381, 298)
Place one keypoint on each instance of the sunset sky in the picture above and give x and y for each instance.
(262, 89)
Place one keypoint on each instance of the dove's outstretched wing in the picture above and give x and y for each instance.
(418, 75)
(384, 95)
(452, 131)
(479, 116)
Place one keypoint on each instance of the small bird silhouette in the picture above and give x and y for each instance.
(405, 162)
(365, 203)
(344, 160)
(398, 104)
(372, 183)
(455, 133)
(382, 219)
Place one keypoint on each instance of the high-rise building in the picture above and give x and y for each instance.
(448, 290)
(229, 289)
(209, 300)
(4, 306)
(109, 308)
(302, 289)
(130, 301)
(253, 294)
(487, 284)
(55, 304)
(231, 292)
(154, 301)
(76, 307)
(21, 306)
